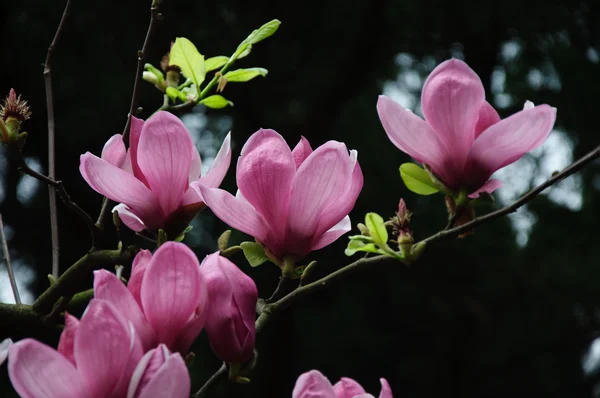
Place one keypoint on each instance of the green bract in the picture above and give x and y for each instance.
(255, 253)
(417, 180)
(185, 55)
(216, 102)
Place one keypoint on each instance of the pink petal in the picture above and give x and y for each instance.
(322, 180)
(165, 156)
(412, 135)
(487, 117)
(37, 370)
(218, 169)
(67, 337)
(171, 290)
(451, 100)
(237, 213)
(301, 151)
(506, 141)
(103, 348)
(333, 234)
(4, 344)
(347, 388)
(145, 369)
(114, 150)
(265, 174)
(132, 221)
(386, 391)
(135, 133)
(171, 380)
(489, 187)
(191, 330)
(138, 269)
(127, 163)
(118, 185)
(108, 287)
(196, 166)
(313, 385)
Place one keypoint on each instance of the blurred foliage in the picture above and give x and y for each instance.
(479, 317)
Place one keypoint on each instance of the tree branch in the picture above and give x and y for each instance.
(11, 274)
(210, 382)
(51, 148)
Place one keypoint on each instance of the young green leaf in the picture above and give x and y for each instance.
(185, 55)
(377, 229)
(173, 93)
(255, 254)
(216, 102)
(359, 246)
(243, 75)
(263, 32)
(417, 180)
(215, 62)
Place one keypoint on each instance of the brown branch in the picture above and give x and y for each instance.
(51, 148)
(11, 274)
(66, 198)
(210, 382)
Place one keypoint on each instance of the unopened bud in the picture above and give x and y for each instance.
(13, 112)
(150, 77)
(363, 229)
(221, 83)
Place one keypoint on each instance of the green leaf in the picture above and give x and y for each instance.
(162, 238)
(377, 229)
(185, 55)
(263, 32)
(417, 180)
(216, 102)
(359, 246)
(255, 254)
(215, 62)
(243, 75)
(245, 52)
(173, 93)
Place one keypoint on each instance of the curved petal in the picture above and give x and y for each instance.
(170, 380)
(171, 290)
(386, 390)
(333, 234)
(217, 171)
(452, 97)
(108, 287)
(164, 155)
(236, 213)
(103, 348)
(138, 269)
(148, 365)
(412, 135)
(4, 345)
(506, 141)
(347, 388)
(265, 174)
(196, 166)
(135, 132)
(67, 337)
(301, 151)
(114, 150)
(313, 384)
(191, 330)
(118, 185)
(487, 117)
(132, 221)
(321, 181)
(489, 187)
(37, 370)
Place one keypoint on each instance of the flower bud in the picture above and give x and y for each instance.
(13, 112)
(230, 322)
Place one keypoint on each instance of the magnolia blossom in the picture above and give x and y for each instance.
(151, 180)
(293, 202)
(231, 314)
(99, 357)
(462, 138)
(166, 299)
(314, 385)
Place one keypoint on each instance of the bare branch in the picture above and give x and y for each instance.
(51, 148)
(11, 274)
(210, 382)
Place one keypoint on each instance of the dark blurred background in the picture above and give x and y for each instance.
(512, 310)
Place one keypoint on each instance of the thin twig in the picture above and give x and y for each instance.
(66, 198)
(103, 211)
(154, 17)
(11, 274)
(210, 382)
(51, 149)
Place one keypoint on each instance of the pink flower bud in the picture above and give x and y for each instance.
(314, 384)
(231, 314)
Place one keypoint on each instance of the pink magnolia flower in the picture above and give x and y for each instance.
(231, 315)
(462, 138)
(151, 180)
(166, 299)
(293, 202)
(313, 384)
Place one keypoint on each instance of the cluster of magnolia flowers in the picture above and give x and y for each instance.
(132, 338)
